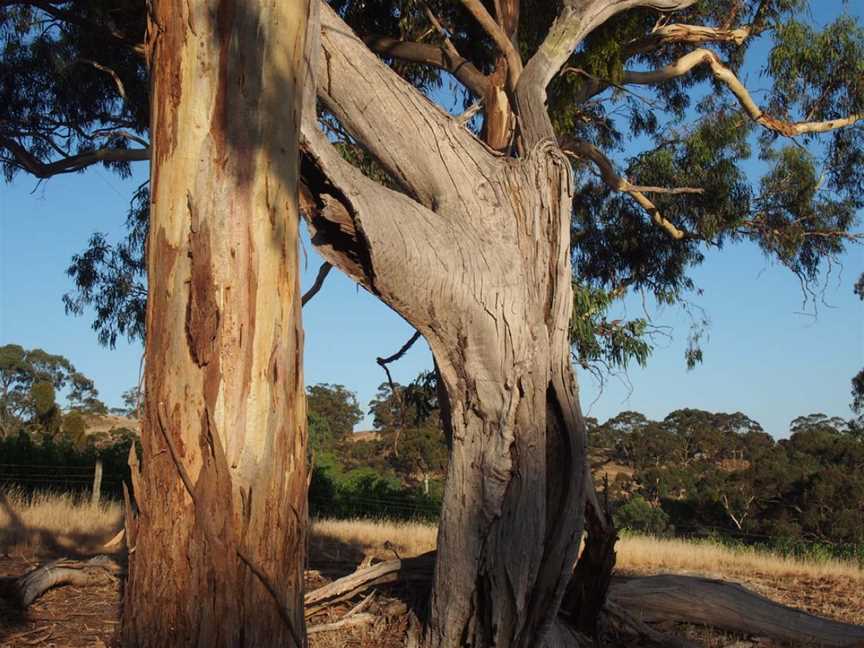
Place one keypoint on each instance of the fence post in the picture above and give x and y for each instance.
(97, 484)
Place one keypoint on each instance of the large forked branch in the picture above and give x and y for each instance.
(381, 238)
(422, 147)
(491, 27)
(615, 182)
(30, 163)
(441, 57)
(723, 74)
(576, 20)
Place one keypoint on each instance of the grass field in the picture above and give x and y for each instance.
(49, 525)
(25, 522)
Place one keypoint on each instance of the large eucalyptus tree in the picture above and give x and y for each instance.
(474, 238)
(216, 550)
(481, 230)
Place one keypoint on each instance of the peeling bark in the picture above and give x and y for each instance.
(487, 282)
(220, 536)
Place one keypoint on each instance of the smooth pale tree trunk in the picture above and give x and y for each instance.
(220, 542)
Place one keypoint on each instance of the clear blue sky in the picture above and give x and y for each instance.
(762, 357)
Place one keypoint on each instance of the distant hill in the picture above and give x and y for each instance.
(97, 423)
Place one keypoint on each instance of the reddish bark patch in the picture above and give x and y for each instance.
(202, 310)
(170, 38)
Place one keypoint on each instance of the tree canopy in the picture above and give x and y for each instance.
(715, 166)
(29, 383)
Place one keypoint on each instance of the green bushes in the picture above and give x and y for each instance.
(639, 516)
(363, 492)
(65, 463)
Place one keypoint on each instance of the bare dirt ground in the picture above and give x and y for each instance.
(90, 617)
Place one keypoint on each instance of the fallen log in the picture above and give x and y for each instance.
(100, 570)
(349, 622)
(729, 606)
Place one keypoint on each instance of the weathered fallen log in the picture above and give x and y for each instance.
(347, 622)
(100, 570)
(728, 606)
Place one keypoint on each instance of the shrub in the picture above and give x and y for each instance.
(639, 516)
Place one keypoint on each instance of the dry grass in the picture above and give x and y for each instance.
(64, 524)
(30, 518)
(349, 539)
(646, 554)
(641, 554)
(54, 521)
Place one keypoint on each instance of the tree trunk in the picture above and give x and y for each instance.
(219, 547)
(474, 252)
(513, 504)
(490, 289)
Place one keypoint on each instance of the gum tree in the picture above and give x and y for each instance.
(216, 551)
(475, 236)
(504, 233)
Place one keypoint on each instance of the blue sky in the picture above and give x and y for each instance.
(762, 356)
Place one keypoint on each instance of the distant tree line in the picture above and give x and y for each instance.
(46, 444)
(704, 473)
(395, 471)
(693, 473)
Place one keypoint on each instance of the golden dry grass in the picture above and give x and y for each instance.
(64, 524)
(54, 521)
(641, 554)
(28, 519)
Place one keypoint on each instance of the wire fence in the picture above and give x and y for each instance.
(56, 477)
(348, 504)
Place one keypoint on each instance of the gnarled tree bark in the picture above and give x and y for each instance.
(479, 264)
(473, 250)
(220, 539)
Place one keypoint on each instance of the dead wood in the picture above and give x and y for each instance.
(728, 606)
(634, 602)
(637, 601)
(627, 623)
(348, 622)
(100, 570)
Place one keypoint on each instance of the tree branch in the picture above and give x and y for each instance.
(723, 74)
(33, 165)
(421, 146)
(615, 182)
(682, 33)
(73, 19)
(573, 24)
(441, 57)
(487, 22)
(368, 231)
(323, 271)
(121, 89)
